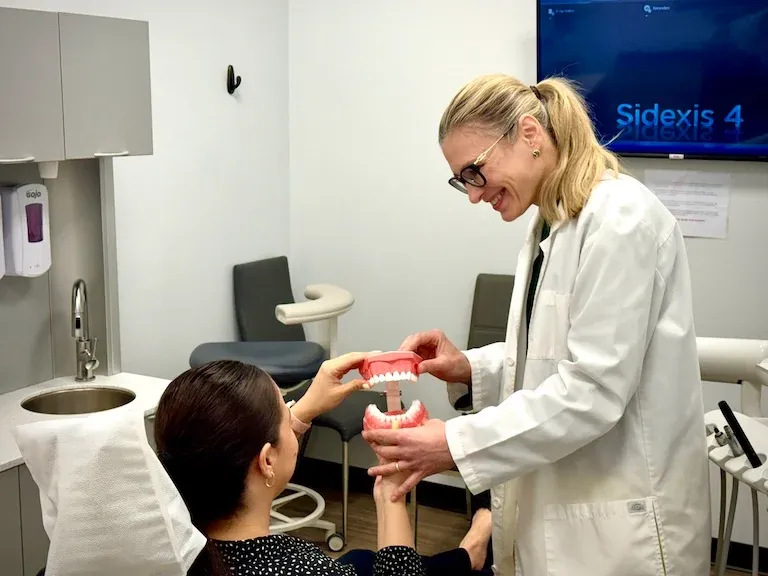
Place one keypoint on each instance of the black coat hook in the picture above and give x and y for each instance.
(232, 81)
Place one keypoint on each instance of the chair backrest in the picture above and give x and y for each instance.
(488, 322)
(490, 309)
(259, 287)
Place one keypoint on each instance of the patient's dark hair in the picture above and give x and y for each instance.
(211, 423)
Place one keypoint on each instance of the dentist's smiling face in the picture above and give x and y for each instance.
(508, 177)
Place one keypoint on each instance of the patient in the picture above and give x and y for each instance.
(230, 443)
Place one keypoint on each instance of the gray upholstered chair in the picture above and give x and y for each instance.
(490, 311)
(487, 324)
(272, 337)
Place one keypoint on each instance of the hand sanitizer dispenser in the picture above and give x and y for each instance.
(26, 231)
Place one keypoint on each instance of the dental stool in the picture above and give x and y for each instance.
(272, 337)
(347, 420)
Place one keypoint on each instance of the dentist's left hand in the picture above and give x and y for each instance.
(410, 453)
(327, 390)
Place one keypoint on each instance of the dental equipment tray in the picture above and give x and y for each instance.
(756, 430)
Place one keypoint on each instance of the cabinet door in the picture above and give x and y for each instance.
(106, 86)
(10, 524)
(31, 118)
(34, 540)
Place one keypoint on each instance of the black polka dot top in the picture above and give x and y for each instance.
(286, 555)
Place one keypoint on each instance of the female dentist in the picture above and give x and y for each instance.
(591, 430)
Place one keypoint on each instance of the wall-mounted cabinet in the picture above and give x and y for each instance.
(73, 86)
(106, 86)
(31, 118)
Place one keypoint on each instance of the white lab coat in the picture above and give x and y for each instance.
(593, 445)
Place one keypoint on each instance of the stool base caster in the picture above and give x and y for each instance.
(335, 542)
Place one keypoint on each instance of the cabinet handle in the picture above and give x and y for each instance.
(111, 154)
(17, 160)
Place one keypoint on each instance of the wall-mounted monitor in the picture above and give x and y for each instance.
(680, 79)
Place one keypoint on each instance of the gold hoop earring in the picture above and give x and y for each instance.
(271, 481)
(536, 153)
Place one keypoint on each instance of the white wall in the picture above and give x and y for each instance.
(372, 211)
(371, 208)
(215, 192)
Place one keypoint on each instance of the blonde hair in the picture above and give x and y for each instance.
(497, 102)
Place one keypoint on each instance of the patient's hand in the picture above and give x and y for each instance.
(385, 486)
(327, 391)
(393, 523)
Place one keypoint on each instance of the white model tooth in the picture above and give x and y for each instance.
(396, 376)
(412, 377)
(378, 378)
(388, 377)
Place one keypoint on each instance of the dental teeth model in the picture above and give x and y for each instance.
(415, 416)
(393, 368)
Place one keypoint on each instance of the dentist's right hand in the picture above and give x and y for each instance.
(441, 358)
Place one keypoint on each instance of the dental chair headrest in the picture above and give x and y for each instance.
(108, 505)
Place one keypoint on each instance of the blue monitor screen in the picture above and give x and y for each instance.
(682, 78)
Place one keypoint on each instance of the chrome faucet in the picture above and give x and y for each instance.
(85, 347)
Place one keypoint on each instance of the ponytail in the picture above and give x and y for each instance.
(582, 160)
(209, 562)
(498, 101)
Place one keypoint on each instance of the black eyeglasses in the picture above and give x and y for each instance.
(471, 174)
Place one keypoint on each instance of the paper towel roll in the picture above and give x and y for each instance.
(109, 507)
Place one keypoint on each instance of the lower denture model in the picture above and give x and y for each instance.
(393, 368)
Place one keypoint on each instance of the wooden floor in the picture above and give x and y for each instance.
(438, 530)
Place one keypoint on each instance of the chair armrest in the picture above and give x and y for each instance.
(324, 301)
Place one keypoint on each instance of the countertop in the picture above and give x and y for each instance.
(147, 389)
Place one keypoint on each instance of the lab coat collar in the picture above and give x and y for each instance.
(535, 226)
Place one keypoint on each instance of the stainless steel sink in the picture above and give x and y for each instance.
(82, 400)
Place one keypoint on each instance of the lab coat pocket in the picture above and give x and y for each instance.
(604, 539)
(550, 323)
